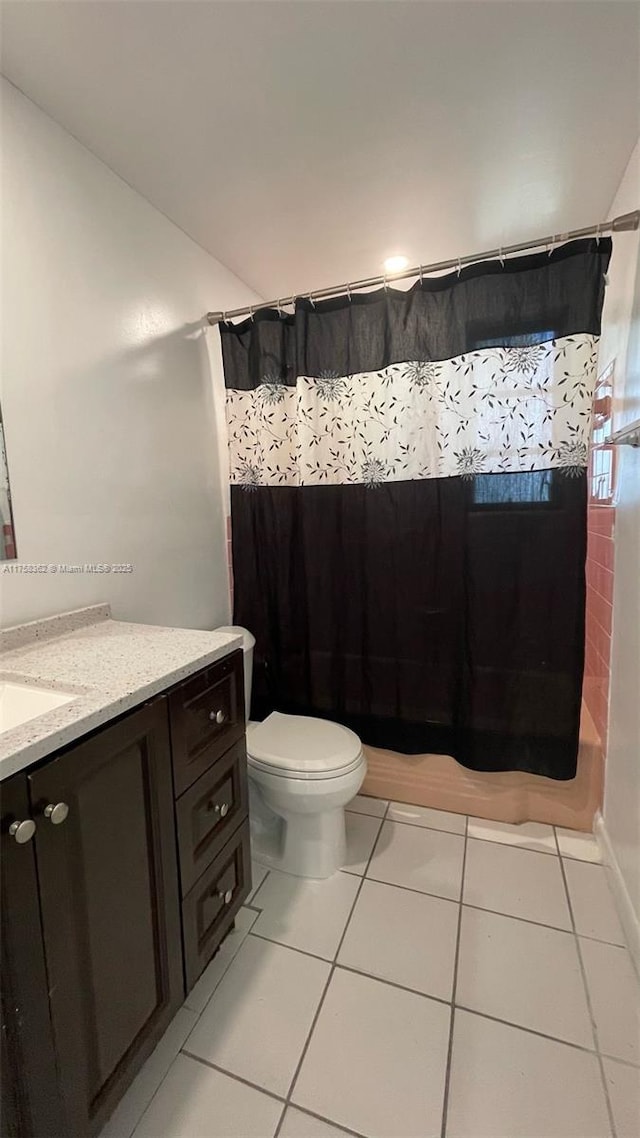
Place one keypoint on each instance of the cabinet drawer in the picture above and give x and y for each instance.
(207, 716)
(209, 908)
(209, 811)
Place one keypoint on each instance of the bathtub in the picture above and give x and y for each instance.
(512, 796)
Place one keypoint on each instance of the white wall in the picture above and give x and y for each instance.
(621, 342)
(107, 387)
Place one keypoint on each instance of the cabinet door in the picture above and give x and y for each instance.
(110, 911)
(30, 1102)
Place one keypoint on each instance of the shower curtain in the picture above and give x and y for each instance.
(408, 498)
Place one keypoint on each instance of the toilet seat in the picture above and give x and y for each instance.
(300, 746)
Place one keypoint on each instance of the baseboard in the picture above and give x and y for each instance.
(629, 919)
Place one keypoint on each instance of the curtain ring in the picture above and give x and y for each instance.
(224, 318)
(553, 241)
(312, 301)
(349, 293)
(501, 256)
(386, 283)
(251, 314)
(420, 274)
(459, 270)
(598, 228)
(279, 307)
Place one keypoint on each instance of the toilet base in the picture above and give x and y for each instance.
(298, 824)
(303, 845)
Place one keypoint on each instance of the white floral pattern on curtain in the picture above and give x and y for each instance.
(493, 410)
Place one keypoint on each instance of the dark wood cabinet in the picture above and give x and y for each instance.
(110, 910)
(207, 716)
(30, 1102)
(209, 909)
(101, 935)
(209, 811)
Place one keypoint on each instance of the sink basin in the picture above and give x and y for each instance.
(19, 703)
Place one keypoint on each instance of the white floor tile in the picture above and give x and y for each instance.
(524, 973)
(258, 874)
(526, 835)
(427, 860)
(297, 1124)
(517, 882)
(624, 1095)
(376, 1061)
(130, 1109)
(404, 937)
(615, 998)
(508, 1083)
(572, 843)
(196, 1102)
(258, 1019)
(309, 915)
(365, 804)
(362, 832)
(593, 908)
(204, 988)
(425, 816)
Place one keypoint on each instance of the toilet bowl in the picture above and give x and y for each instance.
(302, 773)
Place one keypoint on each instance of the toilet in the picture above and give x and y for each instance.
(302, 773)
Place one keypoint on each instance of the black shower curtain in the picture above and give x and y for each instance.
(408, 495)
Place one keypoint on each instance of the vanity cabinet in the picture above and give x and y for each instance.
(117, 898)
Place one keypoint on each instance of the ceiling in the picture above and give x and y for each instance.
(303, 142)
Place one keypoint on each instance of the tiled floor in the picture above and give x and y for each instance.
(459, 979)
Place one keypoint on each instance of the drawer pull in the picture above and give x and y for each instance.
(219, 808)
(217, 716)
(226, 897)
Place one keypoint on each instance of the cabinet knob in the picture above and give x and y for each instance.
(224, 809)
(56, 813)
(226, 897)
(23, 831)
(217, 716)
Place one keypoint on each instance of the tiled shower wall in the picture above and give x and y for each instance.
(600, 549)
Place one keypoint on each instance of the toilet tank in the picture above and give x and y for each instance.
(248, 642)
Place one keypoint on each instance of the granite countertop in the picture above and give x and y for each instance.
(110, 665)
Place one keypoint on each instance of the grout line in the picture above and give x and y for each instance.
(393, 984)
(329, 1121)
(513, 845)
(333, 964)
(483, 909)
(232, 1075)
(625, 1062)
(291, 947)
(587, 993)
(416, 825)
(528, 1030)
(447, 1075)
(448, 1003)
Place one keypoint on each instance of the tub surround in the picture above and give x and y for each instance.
(439, 782)
(110, 665)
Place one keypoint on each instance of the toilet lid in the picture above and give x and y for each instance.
(299, 743)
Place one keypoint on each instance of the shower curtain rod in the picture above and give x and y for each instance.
(626, 222)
